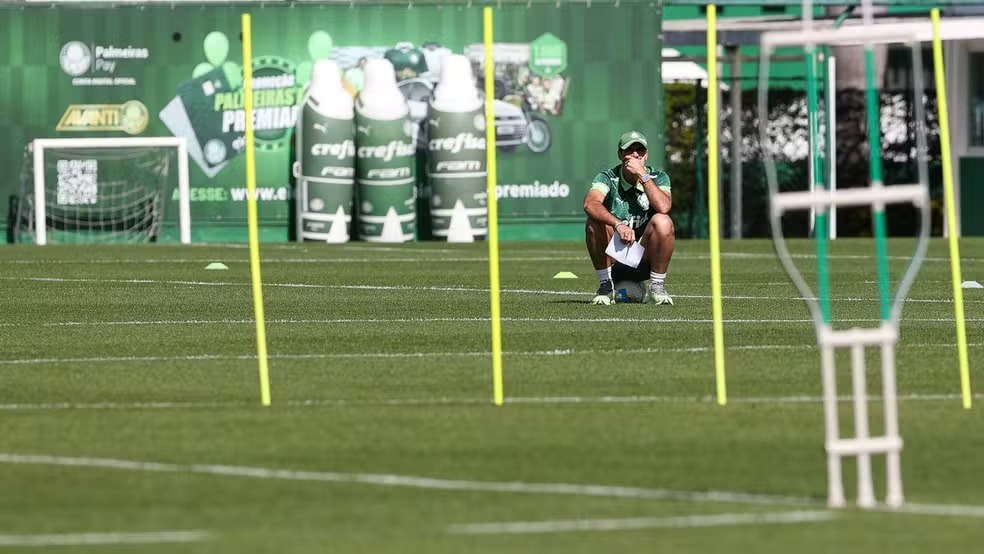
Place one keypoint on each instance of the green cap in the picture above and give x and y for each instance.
(631, 137)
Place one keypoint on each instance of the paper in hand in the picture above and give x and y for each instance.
(625, 254)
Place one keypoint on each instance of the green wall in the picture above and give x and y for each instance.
(612, 80)
(971, 196)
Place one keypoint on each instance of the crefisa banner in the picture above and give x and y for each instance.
(568, 82)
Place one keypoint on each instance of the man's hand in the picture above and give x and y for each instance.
(634, 168)
(625, 233)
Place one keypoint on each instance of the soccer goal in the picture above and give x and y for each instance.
(102, 190)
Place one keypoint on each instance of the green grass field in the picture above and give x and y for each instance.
(130, 404)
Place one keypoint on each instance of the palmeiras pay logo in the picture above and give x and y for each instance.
(75, 58)
(100, 64)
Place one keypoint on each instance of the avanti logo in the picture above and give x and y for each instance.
(130, 117)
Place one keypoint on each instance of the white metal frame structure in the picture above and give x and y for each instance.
(179, 143)
(884, 337)
(862, 445)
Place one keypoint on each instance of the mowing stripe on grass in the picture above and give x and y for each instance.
(85, 539)
(408, 481)
(447, 401)
(580, 293)
(385, 355)
(622, 524)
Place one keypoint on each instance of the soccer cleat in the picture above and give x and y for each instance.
(657, 294)
(605, 295)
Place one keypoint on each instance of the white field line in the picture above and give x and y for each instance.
(291, 261)
(798, 399)
(461, 401)
(428, 255)
(420, 355)
(86, 539)
(432, 483)
(408, 481)
(373, 321)
(579, 293)
(674, 522)
(939, 510)
(695, 521)
(294, 261)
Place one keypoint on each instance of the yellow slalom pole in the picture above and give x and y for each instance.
(951, 211)
(254, 246)
(712, 201)
(493, 210)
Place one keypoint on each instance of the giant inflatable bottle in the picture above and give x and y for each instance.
(325, 166)
(385, 158)
(456, 164)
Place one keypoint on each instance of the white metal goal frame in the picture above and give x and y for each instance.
(180, 144)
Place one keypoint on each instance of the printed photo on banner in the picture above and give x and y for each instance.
(208, 108)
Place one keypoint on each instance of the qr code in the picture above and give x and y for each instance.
(77, 182)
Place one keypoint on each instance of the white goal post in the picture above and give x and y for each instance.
(178, 143)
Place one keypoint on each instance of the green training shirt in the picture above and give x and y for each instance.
(626, 201)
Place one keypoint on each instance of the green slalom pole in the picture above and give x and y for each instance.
(816, 180)
(874, 147)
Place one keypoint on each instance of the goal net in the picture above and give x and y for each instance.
(102, 190)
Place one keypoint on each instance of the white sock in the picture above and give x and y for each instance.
(604, 274)
(657, 278)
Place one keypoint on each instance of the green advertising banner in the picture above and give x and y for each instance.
(569, 81)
